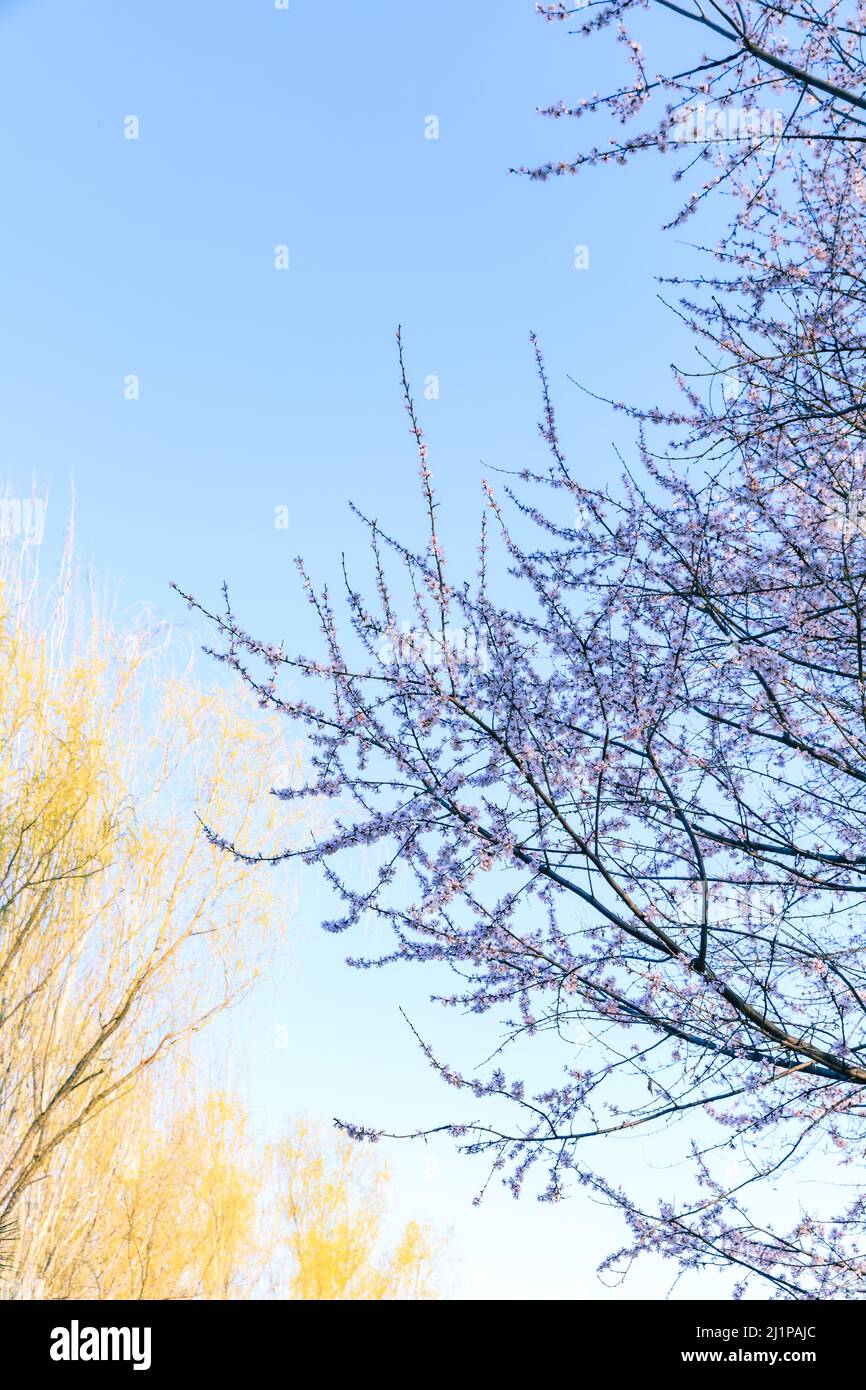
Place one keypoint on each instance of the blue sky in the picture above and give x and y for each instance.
(258, 388)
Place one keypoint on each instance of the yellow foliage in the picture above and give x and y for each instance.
(152, 1204)
(122, 929)
(170, 1201)
(331, 1208)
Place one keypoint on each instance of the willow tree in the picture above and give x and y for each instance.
(169, 1194)
(122, 933)
(156, 1198)
(335, 1234)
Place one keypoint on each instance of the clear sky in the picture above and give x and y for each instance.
(259, 387)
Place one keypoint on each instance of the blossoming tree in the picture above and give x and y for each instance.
(635, 829)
